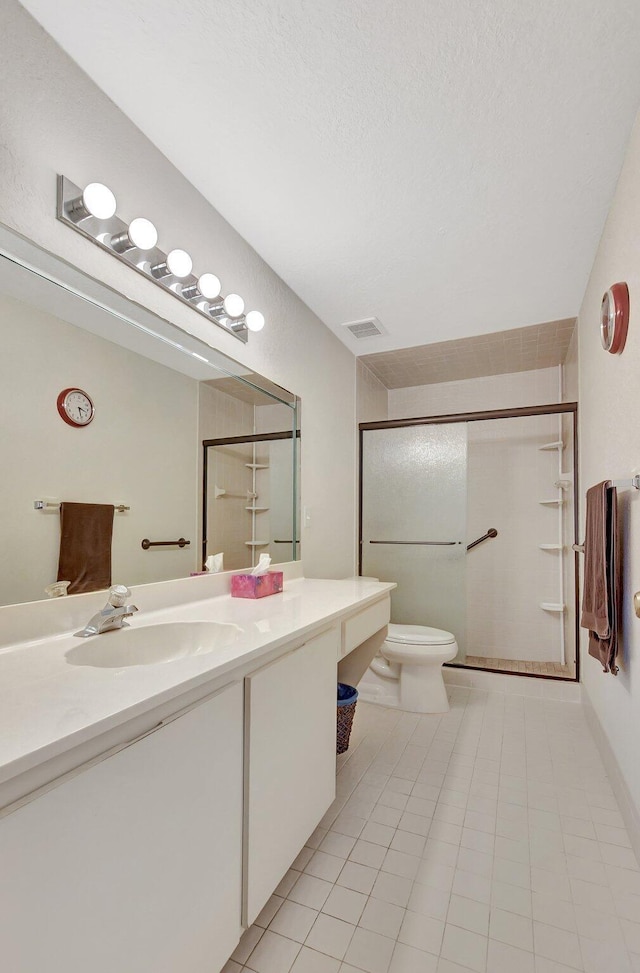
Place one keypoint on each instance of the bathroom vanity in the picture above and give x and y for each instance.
(150, 810)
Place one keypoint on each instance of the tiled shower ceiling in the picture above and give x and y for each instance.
(518, 350)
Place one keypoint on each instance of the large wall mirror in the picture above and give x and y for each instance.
(184, 442)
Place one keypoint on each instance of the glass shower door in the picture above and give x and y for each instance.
(414, 511)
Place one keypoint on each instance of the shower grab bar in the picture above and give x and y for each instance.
(420, 543)
(492, 532)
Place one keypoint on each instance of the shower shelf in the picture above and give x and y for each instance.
(551, 606)
(551, 503)
(547, 446)
(256, 510)
(257, 466)
(550, 547)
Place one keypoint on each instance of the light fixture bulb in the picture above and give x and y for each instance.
(99, 201)
(142, 233)
(209, 286)
(233, 305)
(255, 321)
(179, 263)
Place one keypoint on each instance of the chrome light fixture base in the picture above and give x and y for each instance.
(108, 234)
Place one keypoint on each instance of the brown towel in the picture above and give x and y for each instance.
(601, 596)
(85, 546)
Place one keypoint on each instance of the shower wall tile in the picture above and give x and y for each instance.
(536, 387)
(371, 395)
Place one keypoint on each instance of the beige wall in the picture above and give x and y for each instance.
(53, 120)
(139, 450)
(610, 448)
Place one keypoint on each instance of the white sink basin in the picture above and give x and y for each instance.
(151, 645)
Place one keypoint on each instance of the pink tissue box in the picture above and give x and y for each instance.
(256, 585)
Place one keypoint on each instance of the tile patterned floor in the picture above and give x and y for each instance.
(554, 669)
(485, 840)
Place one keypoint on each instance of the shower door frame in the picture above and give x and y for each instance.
(530, 410)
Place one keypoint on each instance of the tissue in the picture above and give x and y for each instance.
(214, 563)
(262, 566)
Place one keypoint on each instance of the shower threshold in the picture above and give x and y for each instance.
(553, 670)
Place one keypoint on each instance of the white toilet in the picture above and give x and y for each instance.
(407, 672)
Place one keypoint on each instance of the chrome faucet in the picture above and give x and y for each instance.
(112, 615)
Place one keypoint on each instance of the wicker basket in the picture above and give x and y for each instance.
(347, 699)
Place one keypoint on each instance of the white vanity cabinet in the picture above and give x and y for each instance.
(290, 761)
(134, 865)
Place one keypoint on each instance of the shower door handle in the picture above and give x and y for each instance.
(421, 543)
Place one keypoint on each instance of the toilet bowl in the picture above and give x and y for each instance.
(407, 672)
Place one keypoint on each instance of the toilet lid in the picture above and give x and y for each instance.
(419, 635)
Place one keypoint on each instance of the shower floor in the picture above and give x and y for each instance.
(552, 669)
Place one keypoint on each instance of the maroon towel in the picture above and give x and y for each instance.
(85, 546)
(601, 595)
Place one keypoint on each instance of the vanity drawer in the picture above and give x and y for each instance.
(360, 627)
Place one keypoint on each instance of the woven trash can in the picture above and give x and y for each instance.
(347, 699)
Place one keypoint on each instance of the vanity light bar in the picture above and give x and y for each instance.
(92, 212)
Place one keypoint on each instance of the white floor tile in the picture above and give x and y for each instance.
(469, 914)
(464, 947)
(382, 917)
(399, 863)
(366, 853)
(515, 930)
(421, 932)
(330, 935)
(486, 839)
(293, 921)
(311, 961)
(345, 904)
(360, 878)
(502, 958)
(324, 866)
(273, 954)
(392, 888)
(310, 891)
(370, 952)
(337, 844)
(407, 959)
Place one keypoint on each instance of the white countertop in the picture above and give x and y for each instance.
(49, 706)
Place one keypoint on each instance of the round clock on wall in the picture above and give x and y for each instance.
(75, 407)
(614, 318)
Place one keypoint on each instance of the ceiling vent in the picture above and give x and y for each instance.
(368, 328)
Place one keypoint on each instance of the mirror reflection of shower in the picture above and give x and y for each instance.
(474, 519)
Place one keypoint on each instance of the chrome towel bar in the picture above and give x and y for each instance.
(420, 543)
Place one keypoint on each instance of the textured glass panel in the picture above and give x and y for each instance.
(415, 489)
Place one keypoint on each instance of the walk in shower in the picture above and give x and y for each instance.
(474, 517)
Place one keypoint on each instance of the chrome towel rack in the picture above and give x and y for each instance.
(55, 505)
(627, 484)
(420, 543)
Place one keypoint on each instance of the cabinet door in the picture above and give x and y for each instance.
(135, 864)
(290, 761)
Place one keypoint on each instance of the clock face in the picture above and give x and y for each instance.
(75, 407)
(614, 318)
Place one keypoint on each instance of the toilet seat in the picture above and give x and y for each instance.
(419, 635)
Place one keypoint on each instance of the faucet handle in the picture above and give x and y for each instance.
(118, 595)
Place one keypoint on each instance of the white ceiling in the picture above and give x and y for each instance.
(443, 165)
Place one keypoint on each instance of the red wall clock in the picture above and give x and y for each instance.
(614, 318)
(75, 407)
